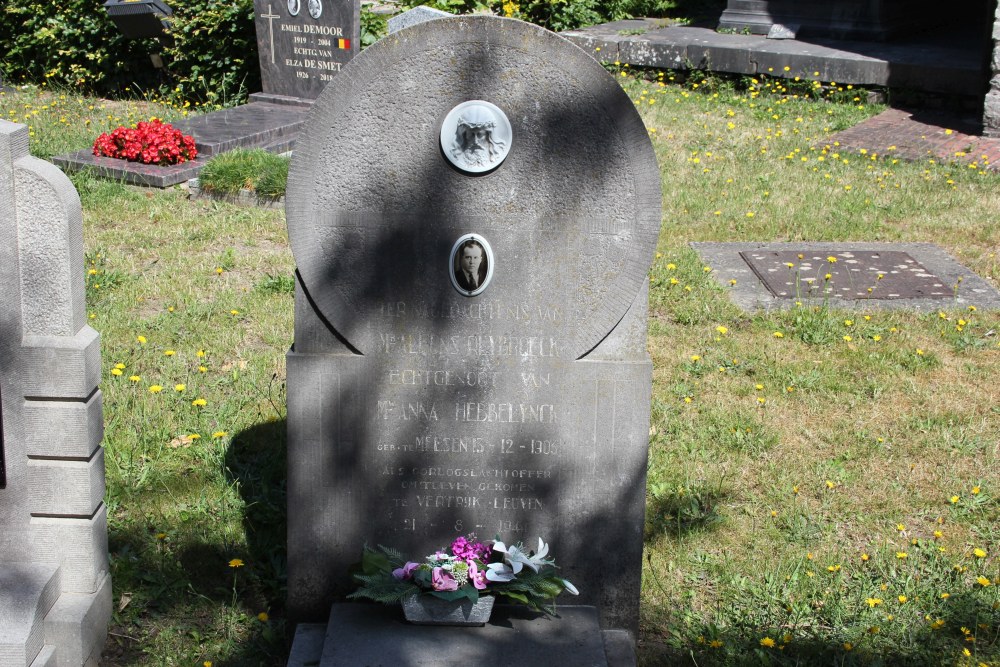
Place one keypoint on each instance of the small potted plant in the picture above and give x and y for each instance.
(459, 586)
(153, 142)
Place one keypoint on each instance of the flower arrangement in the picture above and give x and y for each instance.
(471, 569)
(153, 142)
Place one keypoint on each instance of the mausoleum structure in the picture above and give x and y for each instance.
(55, 590)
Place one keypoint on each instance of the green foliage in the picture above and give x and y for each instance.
(255, 170)
(210, 50)
(373, 27)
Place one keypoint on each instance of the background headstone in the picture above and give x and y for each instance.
(414, 16)
(417, 413)
(303, 44)
(55, 590)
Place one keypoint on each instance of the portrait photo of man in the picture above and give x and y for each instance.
(471, 265)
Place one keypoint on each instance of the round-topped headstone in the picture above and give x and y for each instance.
(477, 127)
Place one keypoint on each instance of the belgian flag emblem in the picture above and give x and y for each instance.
(343, 43)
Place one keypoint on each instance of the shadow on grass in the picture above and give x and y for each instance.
(679, 511)
(188, 579)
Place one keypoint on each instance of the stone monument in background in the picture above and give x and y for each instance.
(302, 45)
(473, 208)
(55, 590)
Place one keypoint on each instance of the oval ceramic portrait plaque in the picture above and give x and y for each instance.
(476, 136)
(470, 264)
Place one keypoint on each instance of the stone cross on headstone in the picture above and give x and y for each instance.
(55, 590)
(423, 405)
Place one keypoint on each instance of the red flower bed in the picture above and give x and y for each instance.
(154, 142)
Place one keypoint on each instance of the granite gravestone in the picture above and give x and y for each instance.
(302, 45)
(55, 591)
(473, 209)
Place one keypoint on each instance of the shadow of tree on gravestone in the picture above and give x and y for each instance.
(256, 457)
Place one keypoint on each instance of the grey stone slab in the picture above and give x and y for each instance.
(419, 409)
(945, 65)
(80, 424)
(307, 645)
(414, 16)
(247, 126)
(135, 173)
(303, 44)
(751, 293)
(27, 592)
(374, 635)
(77, 624)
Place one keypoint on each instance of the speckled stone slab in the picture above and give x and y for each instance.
(361, 635)
(919, 276)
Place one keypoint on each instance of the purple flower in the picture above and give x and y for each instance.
(405, 572)
(443, 581)
(477, 576)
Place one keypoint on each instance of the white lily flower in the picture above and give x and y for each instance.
(569, 587)
(518, 559)
(499, 572)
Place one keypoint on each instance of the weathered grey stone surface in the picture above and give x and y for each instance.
(991, 105)
(55, 599)
(751, 294)
(361, 635)
(926, 62)
(416, 413)
(414, 16)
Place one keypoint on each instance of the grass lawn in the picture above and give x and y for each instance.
(822, 484)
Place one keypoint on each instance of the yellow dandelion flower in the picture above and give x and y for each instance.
(982, 581)
(722, 330)
(901, 555)
(219, 434)
(874, 602)
(778, 334)
(200, 353)
(180, 387)
(199, 402)
(134, 378)
(169, 353)
(767, 642)
(116, 371)
(155, 389)
(141, 339)
(236, 562)
(979, 553)
(954, 499)
(865, 557)
(902, 599)
(262, 617)
(976, 490)
(202, 369)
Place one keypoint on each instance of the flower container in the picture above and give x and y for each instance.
(432, 610)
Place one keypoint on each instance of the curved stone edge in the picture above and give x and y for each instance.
(51, 511)
(354, 79)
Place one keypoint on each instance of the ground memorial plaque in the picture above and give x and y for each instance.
(303, 44)
(473, 210)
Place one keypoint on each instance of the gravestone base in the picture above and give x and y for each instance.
(367, 635)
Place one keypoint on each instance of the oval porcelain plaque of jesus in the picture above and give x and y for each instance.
(476, 136)
(471, 264)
